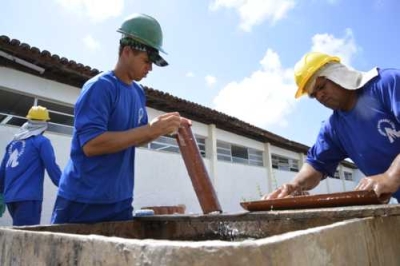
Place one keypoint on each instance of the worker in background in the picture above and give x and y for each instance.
(364, 125)
(110, 122)
(23, 166)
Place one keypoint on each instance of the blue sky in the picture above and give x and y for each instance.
(235, 56)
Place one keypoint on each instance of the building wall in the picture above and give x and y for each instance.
(32, 85)
(239, 182)
(161, 177)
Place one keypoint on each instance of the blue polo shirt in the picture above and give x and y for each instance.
(105, 104)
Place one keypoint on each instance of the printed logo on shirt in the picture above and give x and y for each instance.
(15, 151)
(140, 115)
(388, 129)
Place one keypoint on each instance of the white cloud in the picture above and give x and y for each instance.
(345, 47)
(262, 99)
(190, 74)
(96, 10)
(266, 97)
(91, 43)
(210, 80)
(255, 12)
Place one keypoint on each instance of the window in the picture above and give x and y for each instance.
(201, 143)
(168, 143)
(12, 120)
(165, 143)
(255, 157)
(15, 104)
(14, 107)
(285, 164)
(348, 176)
(62, 117)
(336, 175)
(238, 154)
(224, 152)
(59, 114)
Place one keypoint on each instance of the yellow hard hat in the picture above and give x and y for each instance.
(307, 66)
(38, 113)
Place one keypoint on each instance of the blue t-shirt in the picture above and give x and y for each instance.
(22, 169)
(369, 134)
(105, 104)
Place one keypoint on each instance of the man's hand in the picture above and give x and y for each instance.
(284, 191)
(166, 123)
(382, 184)
(306, 179)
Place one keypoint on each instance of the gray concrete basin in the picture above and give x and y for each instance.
(362, 235)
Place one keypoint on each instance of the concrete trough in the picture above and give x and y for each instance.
(363, 235)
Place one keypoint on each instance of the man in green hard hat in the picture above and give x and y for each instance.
(110, 121)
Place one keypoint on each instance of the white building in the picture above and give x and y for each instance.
(243, 161)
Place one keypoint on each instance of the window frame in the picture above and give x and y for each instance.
(168, 143)
(17, 117)
(284, 163)
(229, 152)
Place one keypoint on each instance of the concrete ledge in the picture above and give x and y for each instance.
(226, 227)
(366, 241)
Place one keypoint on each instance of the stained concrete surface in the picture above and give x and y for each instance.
(366, 235)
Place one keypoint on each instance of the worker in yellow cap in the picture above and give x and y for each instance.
(364, 125)
(26, 158)
(110, 122)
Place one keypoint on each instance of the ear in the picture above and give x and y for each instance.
(126, 50)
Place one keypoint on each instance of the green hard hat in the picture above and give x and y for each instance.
(144, 29)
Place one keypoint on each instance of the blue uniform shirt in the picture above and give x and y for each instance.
(369, 134)
(22, 169)
(105, 104)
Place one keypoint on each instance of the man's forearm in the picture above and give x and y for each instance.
(111, 142)
(308, 178)
(394, 170)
